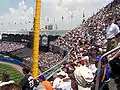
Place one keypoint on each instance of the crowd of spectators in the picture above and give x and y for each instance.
(63, 80)
(81, 39)
(49, 59)
(46, 60)
(85, 43)
(10, 46)
(91, 32)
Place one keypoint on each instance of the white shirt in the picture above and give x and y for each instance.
(111, 31)
(5, 83)
(57, 82)
(66, 86)
(93, 68)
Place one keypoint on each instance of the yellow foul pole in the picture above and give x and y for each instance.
(36, 39)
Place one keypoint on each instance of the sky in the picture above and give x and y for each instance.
(18, 14)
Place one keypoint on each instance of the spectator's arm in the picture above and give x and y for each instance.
(115, 55)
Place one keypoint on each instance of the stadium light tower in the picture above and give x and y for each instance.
(36, 39)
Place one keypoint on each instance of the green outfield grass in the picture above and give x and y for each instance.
(15, 74)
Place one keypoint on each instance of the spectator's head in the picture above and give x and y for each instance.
(118, 21)
(26, 70)
(5, 77)
(94, 50)
(55, 75)
(11, 86)
(84, 62)
(61, 74)
(64, 69)
(41, 78)
(72, 67)
(109, 20)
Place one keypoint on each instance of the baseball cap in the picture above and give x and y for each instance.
(62, 73)
(42, 77)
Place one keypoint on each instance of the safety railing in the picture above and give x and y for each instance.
(49, 73)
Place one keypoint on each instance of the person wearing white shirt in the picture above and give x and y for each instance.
(64, 69)
(110, 29)
(114, 59)
(6, 79)
(110, 32)
(116, 35)
(58, 81)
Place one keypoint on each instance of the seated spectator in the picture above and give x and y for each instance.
(6, 79)
(64, 69)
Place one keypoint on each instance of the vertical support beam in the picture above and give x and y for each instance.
(36, 39)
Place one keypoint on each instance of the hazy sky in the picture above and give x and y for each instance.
(18, 14)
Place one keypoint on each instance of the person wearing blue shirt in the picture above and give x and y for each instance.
(104, 72)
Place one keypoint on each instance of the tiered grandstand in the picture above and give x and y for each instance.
(67, 48)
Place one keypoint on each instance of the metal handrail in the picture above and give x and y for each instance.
(52, 68)
(99, 65)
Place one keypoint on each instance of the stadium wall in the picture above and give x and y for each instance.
(28, 39)
(13, 61)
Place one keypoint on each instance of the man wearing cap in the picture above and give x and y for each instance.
(113, 32)
(110, 31)
(44, 82)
